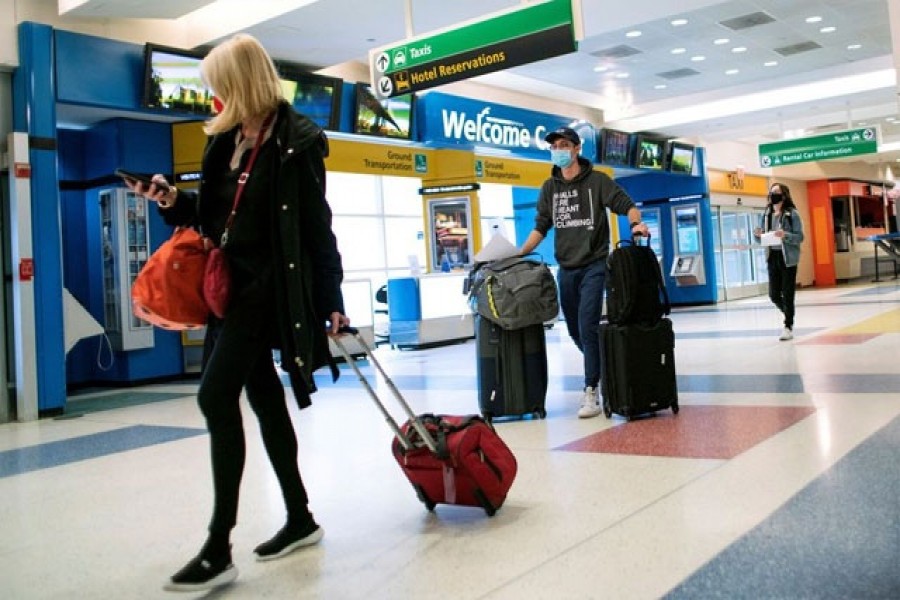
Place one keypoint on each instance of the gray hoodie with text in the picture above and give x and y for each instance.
(577, 209)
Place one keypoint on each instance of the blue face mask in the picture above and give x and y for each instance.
(562, 158)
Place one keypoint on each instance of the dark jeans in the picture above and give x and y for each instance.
(782, 285)
(581, 296)
(237, 357)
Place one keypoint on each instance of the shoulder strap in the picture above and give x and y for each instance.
(245, 175)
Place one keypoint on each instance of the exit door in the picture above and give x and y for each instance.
(740, 262)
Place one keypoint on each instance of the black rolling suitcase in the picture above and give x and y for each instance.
(512, 370)
(638, 368)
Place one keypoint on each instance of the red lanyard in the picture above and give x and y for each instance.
(245, 175)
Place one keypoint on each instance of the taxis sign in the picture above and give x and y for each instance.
(507, 39)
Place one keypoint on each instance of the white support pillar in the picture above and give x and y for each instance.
(24, 346)
(894, 22)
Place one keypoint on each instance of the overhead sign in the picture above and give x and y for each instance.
(508, 39)
(840, 144)
(450, 120)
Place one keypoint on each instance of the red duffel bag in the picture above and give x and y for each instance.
(168, 292)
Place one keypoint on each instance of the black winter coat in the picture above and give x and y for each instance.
(307, 266)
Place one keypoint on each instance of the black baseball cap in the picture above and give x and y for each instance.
(563, 132)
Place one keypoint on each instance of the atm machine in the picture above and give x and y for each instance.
(687, 261)
(650, 217)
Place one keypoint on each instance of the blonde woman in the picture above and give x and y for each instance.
(286, 290)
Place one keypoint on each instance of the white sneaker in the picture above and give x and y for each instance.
(590, 404)
(786, 335)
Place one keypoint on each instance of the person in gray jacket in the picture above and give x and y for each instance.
(782, 219)
(574, 201)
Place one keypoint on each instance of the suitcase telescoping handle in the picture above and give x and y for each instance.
(420, 428)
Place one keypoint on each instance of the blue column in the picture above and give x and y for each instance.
(34, 113)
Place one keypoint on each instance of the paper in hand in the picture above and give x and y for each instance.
(770, 239)
(497, 249)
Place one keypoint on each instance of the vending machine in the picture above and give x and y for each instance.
(125, 243)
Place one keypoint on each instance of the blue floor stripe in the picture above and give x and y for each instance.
(837, 538)
(63, 452)
(728, 307)
(873, 291)
(77, 405)
(755, 383)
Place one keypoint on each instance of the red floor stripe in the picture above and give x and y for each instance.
(696, 432)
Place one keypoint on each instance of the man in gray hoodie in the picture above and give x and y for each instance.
(574, 201)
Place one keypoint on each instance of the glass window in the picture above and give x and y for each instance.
(351, 194)
(401, 196)
(360, 242)
(495, 200)
(407, 238)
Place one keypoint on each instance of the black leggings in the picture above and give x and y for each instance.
(782, 285)
(235, 358)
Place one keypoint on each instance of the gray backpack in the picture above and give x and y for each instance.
(514, 292)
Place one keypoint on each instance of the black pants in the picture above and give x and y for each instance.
(236, 357)
(782, 285)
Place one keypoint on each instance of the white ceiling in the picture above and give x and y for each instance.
(325, 33)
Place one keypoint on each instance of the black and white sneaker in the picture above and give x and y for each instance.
(289, 539)
(202, 574)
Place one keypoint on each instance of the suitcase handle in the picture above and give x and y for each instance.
(420, 428)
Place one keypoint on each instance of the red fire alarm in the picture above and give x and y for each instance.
(22, 171)
(26, 269)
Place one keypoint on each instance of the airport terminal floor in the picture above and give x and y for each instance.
(778, 478)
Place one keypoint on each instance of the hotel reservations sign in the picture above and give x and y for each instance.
(839, 144)
(504, 40)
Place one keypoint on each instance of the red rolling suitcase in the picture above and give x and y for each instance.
(448, 459)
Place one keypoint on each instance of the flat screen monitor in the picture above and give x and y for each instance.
(681, 158)
(316, 96)
(172, 81)
(650, 152)
(391, 117)
(614, 147)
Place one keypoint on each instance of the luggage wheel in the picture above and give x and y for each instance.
(675, 408)
(607, 411)
(540, 413)
(485, 504)
(429, 505)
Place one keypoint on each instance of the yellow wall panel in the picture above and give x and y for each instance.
(731, 182)
(188, 142)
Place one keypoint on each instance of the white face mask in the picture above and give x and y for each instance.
(562, 157)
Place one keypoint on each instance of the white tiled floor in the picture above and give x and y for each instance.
(576, 524)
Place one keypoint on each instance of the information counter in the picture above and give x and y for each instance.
(428, 310)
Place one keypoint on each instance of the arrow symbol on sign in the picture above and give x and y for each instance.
(382, 62)
(385, 85)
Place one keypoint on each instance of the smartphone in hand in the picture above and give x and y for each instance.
(141, 178)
